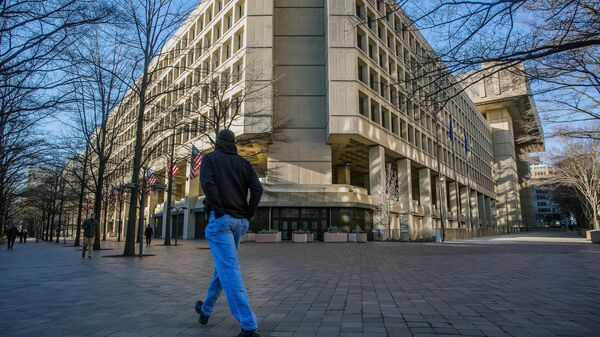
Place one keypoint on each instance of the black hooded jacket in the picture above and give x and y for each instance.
(226, 178)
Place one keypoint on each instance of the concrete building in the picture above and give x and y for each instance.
(547, 212)
(338, 108)
(504, 97)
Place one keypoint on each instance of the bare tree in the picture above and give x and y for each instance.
(577, 168)
(152, 23)
(34, 34)
(96, 64)
(387, 199)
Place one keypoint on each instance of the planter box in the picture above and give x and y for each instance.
(588, 235)
(357, 237)
(305, 237)
(249, 237)
(336, 237)
(595, 236)
(267, 237)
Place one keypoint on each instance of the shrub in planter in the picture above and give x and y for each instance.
(302, 236)
(357, 235)
(267, 236)
(249, 236)
(334, 234)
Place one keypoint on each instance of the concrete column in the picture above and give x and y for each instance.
(505, 167)
(376, 169)
(425, 201)
(149, 213)
(454, 204)
(192, 191)
(164, 215)
(376, 178)
(405, 183)
(494, 213)
(474, 209)
(488, 211)
(343, 174)
(481, 210)
(443, 201)
(465, 205)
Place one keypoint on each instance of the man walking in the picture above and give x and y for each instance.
(149, 232)
(226, 178)
(90, 226)
(11, 236)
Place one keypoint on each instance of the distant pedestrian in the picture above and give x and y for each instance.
(226, 178)
(25, 235)
(90, 227)
(149, 232)
(11, 236)
(20, 233)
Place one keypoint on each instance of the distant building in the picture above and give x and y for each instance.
(547, 211)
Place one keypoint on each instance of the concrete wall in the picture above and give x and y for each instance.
(299, 153)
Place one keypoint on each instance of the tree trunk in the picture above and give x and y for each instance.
(105, 219)
(60, 210)
(129, 249)
(169, 192)
(81, 197)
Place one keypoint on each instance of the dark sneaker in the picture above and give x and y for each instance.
(251, 333)
(203, 319)
(89, 257)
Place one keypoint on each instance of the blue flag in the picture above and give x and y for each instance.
(451, 132)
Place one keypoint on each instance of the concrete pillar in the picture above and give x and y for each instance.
(494, 213)
(505, 167)
(376, 169)
(425, 201)
(149, 213)
(343, 176)
(481, 210)
(454, 204)
(164, 215)
(488, 211)
(192, 191)
(443, 201)
(376, 178)
(474, 209)
(465, 205)
(405, 183)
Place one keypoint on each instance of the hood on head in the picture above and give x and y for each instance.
(226, 142)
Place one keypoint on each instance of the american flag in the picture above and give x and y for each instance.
(173, 170)
(150, 178)
(196, 162)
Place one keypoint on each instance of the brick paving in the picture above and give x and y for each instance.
(542, 285)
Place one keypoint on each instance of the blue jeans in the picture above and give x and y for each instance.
(223, 236)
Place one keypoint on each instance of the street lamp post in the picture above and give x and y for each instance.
(177, 209)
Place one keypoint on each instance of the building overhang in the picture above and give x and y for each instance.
(527, 128)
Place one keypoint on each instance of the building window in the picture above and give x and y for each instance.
(363, 104)
(362, 72)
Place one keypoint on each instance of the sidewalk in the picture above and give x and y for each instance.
(509, 288)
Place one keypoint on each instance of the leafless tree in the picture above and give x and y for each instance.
(152, 23)
(34, 34)
(388, 199)
(577, 168)
(96, 64)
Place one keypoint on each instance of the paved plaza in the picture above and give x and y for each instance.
(520, 285)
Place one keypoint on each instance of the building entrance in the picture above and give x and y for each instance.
(288, 220)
